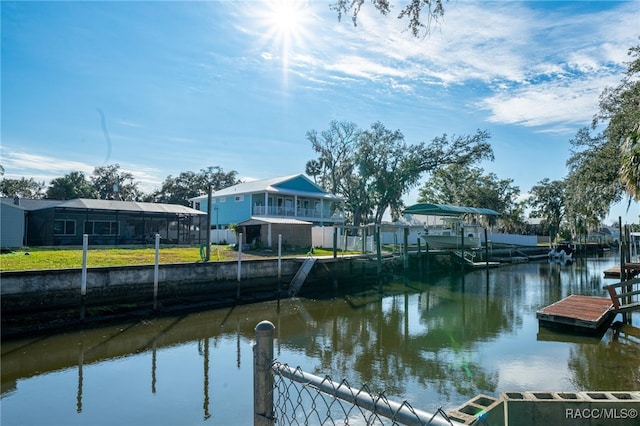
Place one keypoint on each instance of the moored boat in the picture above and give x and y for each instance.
(452, 234)
(562, 252)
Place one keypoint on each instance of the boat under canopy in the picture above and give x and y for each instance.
(446, 210)
(451, 232)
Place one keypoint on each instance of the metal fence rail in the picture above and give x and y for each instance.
(290, 396)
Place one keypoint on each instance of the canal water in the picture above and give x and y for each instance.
(435, 342)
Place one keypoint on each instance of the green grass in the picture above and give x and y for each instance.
(36, 258)
(62, 258)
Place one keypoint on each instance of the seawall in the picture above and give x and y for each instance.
(22, 290)
(42, 300)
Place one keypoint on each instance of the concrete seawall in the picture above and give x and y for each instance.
(54, 289)
(42, 300)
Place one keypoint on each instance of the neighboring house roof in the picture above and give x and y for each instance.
(10, 204)
(129, 206)
(114, 205)
(274, 221)
(292, 185)
(30, 203)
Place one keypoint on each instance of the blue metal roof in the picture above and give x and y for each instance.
(288, 185)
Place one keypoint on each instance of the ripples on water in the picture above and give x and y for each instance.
(432, 341)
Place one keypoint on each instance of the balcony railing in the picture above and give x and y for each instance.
(302, 214)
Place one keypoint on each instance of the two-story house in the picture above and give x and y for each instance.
(262, 209)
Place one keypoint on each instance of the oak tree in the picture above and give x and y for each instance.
(179, 189)
(374, 168)
(472, 187)
(547, 202)
(22, 188)
(419, 13)
(111, 183)
(70, 186)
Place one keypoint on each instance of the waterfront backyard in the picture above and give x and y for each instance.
(62, 258)
(435, 342)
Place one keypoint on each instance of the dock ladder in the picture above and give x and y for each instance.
(301, 275)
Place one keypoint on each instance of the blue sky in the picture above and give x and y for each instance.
(166, 87)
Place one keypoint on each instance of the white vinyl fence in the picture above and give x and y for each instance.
(226, 236)
(322, 236)
(513, 239)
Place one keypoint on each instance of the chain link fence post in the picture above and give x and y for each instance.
(262, 375)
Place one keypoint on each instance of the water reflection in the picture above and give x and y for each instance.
(436, 342)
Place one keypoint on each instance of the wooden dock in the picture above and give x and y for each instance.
(633, 269)
(585, 314)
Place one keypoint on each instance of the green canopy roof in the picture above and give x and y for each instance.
(446, 210)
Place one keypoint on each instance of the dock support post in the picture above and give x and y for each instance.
(207, 255)
(279, 265)
(279, 257)
(419, 258)
(239, 264)
(83, 279)
(626, 316)
(156, 273)
(83, 284)
(379, 256)
(486, 249)
(263, 414)
(426, 250)
(405, 244)
(623, 272)
(462, 247)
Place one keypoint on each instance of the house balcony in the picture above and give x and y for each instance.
(309, 215)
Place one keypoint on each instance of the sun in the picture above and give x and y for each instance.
(286, 18)
(285, 26)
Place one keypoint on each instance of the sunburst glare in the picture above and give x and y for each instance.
(286, 27)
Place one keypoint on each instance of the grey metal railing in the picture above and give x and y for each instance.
(287, 395)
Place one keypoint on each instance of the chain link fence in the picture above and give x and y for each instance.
(290, 396)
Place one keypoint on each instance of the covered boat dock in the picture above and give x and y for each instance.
(431, 209)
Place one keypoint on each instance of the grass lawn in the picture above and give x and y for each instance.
(61, 258)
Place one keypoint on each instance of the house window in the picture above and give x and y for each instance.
(64, 227)
(101, 227)
(239, 198)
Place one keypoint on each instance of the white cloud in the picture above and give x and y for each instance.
(539, 67)
(45, 168)
(146, 177)
(128, 123)
(552, 103)
(26, 163)
(363, 67)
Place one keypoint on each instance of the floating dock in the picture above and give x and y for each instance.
(586, 314)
